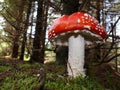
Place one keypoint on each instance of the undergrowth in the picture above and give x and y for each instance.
(19, 77)
(23, 76)
(4, 68)
(79, 83)
(19, 83)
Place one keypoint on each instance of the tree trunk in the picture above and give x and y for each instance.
(97, 10)
(37, 52)
(70, 6)
(19, 26)
(25, 31)
(23, 46)
(61, 58)
(30, 40)
(15, 47)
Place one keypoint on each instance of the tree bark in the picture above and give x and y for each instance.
(38, 52)
(25, 31)
(23, 46)
(15, 47)
(70, 6)
(18, 32)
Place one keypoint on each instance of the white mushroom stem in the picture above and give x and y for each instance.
(76, 56)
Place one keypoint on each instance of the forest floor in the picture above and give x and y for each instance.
(19, 75)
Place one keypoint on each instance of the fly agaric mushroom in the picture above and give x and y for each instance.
(73, 31)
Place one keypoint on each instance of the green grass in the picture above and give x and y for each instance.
(23, 77)
(4, 68)
(57, 80)
(19, 81)
(20, 77)
(79, 83)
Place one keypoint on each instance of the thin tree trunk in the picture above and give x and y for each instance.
(25, 31)
(97, 10)
(23, 46)
(16, 40)
(30, 40)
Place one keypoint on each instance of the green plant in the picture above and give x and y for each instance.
(21, 77)
(78, 83)
(4, 68)
(20, 83)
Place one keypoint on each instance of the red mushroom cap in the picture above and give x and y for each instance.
(78, 21)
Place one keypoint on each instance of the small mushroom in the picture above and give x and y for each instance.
(74, 30)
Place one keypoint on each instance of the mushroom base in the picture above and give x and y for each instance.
(76, 55)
